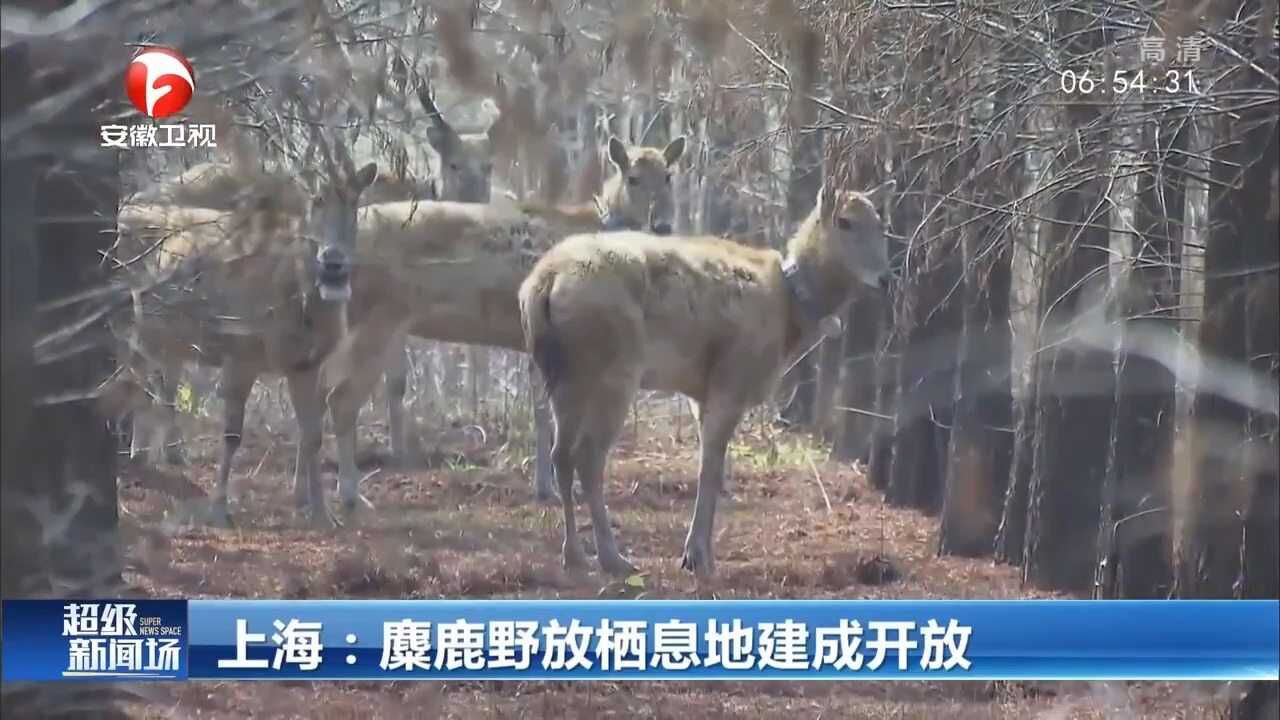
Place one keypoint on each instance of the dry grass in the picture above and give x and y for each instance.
(473, 531)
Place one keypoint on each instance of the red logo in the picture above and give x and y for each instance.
(159, 82)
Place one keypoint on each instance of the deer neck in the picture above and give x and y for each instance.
(816, 287)
(323, 319)
(609, 199)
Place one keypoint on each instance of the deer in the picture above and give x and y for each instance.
(221, 186)
(638, 195)
(450, 271)
(466, 175)
(273, 300)
(606, 314)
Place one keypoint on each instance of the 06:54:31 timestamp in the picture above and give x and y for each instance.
(1173, 82)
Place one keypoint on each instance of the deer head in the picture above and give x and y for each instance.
(331, 218)
(852, 221)
(466, 160)
(642, 198)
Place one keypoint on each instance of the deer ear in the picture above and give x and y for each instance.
(880, 193)
(674, 151)
(618, 154)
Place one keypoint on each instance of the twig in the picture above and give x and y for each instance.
(818, 476)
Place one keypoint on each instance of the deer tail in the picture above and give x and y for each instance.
(541, 338)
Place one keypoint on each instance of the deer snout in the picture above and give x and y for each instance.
(334, 278)
(885, 280)
(333, 260)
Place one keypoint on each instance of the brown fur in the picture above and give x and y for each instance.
(637, 195)
(607, 314)
(252, 304)
(222, 186)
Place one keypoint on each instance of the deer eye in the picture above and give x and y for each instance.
(453, 166)
(633, 181)
(844, 224)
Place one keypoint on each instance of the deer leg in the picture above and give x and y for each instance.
(397, 381)
(566, 431)
(146, 425)
(543, 467)
(237, 382)
(307, 487)
(345, 410)
(717, 423)
(171, 434)
(592, 453)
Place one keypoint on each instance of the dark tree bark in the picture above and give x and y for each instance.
(885, 373)
(1260, 702)
(1229, 544)
(23, 561)
(59, 485)
(1075, 383)
(1253, 211)
(929, 320)
(980, 447)
(1133, 540)
(928, 316)
(1011, 536)
(905, 216)
(855, 429)
(1074, 394)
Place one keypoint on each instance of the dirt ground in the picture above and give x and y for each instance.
(795, 526)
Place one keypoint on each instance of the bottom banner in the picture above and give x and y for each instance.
(641, 640)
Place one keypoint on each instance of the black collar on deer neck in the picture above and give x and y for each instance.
(613, 223)
(801, 292)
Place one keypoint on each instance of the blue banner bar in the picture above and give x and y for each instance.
(95, 640)
(652, 640)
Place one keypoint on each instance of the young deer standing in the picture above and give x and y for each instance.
(249, 300)
(636, 197)
(608, 314)
(466, 174)
(450, 271)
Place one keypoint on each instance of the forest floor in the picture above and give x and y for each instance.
(469, 528)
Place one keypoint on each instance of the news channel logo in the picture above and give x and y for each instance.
(159, 82)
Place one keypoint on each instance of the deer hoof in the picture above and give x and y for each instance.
(352, 506)
(617, 566)
(697, 560)
(323, 518)
(575, 560)
(220, 516)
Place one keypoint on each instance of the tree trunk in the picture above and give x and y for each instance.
(928, 316)
(854, 427)
(888, 347)
(1073, 400)
(1026, 269)
(981, 447)
(1260, 702)
(1133, 539)
(60, 534)
(1228, 546)
(905, 216)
